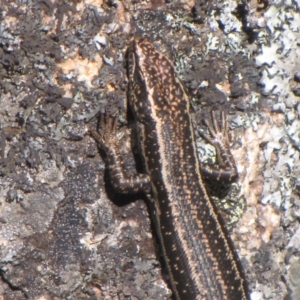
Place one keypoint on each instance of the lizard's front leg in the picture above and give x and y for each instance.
(226, 171)
(108, 141)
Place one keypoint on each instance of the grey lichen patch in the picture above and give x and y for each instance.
(266, 163)
(123, 264)
(278, 58)
(51, 258)
(274, 185)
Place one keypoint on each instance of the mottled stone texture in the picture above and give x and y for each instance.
(64, 232)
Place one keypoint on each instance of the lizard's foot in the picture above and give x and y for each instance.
(218, 131)
(108, 126)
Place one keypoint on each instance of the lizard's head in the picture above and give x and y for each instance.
(155, 92)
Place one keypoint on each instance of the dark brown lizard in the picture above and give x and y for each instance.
(199, 254)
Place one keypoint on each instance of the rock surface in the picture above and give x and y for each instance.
(64, 232)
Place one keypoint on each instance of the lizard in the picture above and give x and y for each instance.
(199, 254)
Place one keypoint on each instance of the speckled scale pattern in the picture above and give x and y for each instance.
(199, 254)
